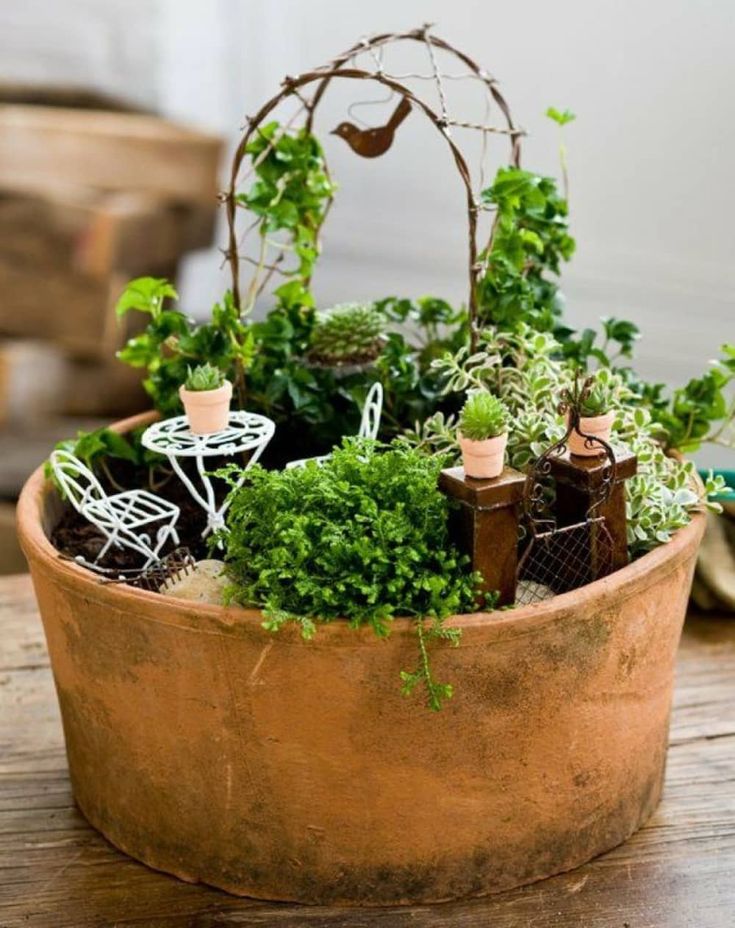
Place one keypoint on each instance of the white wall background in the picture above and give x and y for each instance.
(651, 153)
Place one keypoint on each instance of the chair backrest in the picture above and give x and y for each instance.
(77, 481)
(371, 412)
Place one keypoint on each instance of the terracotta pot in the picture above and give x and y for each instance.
(483, 459)
(207, 410)
(271, 767)
(595, 426)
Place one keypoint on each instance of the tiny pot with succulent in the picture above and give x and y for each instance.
(483, 435)
(206, 396)
(596, 417)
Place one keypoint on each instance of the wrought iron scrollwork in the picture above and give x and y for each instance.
(560, 559)
(536, 498)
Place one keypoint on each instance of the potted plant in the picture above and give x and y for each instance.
(206, 748)
(483, 435)
(596, 418)
(206, 396)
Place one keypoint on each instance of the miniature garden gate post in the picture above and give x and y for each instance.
(578, 484)
(485, 524)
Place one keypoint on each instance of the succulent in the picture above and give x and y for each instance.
(204, 377)
(599, 400)
(483, 416)
(347, 333)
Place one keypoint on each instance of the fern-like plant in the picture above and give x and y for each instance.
(483, 416)
(362, 537)
(349, 333)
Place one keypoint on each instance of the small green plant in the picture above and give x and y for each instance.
(289, 197)
(483, 416)
(363, 538)
(99, 448)
(599, 399)
(596, 403)
(171, 343)
(349, 332)
(562, 118)
(529, 240)
(204, 377)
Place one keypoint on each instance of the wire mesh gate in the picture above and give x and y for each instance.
(558, 559)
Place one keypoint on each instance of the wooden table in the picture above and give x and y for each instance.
(56, 872)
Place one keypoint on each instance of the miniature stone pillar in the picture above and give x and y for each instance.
(485, 525)
(579, 483)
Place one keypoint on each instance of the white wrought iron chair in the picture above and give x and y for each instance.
(369, 423)
(121, 517)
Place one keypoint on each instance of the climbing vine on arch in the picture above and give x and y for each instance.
(284, 199)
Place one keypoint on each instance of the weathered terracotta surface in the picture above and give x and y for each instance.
(272, 767)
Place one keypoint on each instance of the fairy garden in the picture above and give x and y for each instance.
(399, 458)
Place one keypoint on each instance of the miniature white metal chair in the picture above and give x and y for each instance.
(369, 423)
(121, 517)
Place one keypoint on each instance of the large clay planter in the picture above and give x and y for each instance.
(272, 767)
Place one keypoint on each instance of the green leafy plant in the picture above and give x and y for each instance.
(562, 118)
(362, 538)
(204, 377)
(527, 370)
(98, 449)
(289, 197)
(528, 242)
(171, 343)
(701, 411)
(600, 397)
(349, 332)
(483, 416)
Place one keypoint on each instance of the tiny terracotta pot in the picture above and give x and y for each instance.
(207, 747)
(207, 410)
(483, 459)
(594, 427)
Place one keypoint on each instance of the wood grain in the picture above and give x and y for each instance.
(55, 871)
(109, 151)
(66, 254)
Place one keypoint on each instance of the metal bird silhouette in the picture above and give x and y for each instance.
(369, 143)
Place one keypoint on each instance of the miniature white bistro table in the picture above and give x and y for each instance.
(246, 431)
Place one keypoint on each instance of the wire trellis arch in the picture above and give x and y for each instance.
(342, 68)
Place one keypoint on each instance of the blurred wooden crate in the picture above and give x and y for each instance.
(40, 382)
(92, 194)
(12, 560)
(65, 256)
(107, 151)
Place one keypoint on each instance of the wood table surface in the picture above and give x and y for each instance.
(57, 872)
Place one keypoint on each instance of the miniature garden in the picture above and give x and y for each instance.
(383, 466)
(359, 529)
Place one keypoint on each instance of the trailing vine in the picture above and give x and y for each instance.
(290, 198)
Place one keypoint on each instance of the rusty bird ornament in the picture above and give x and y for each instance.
(370, 143)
